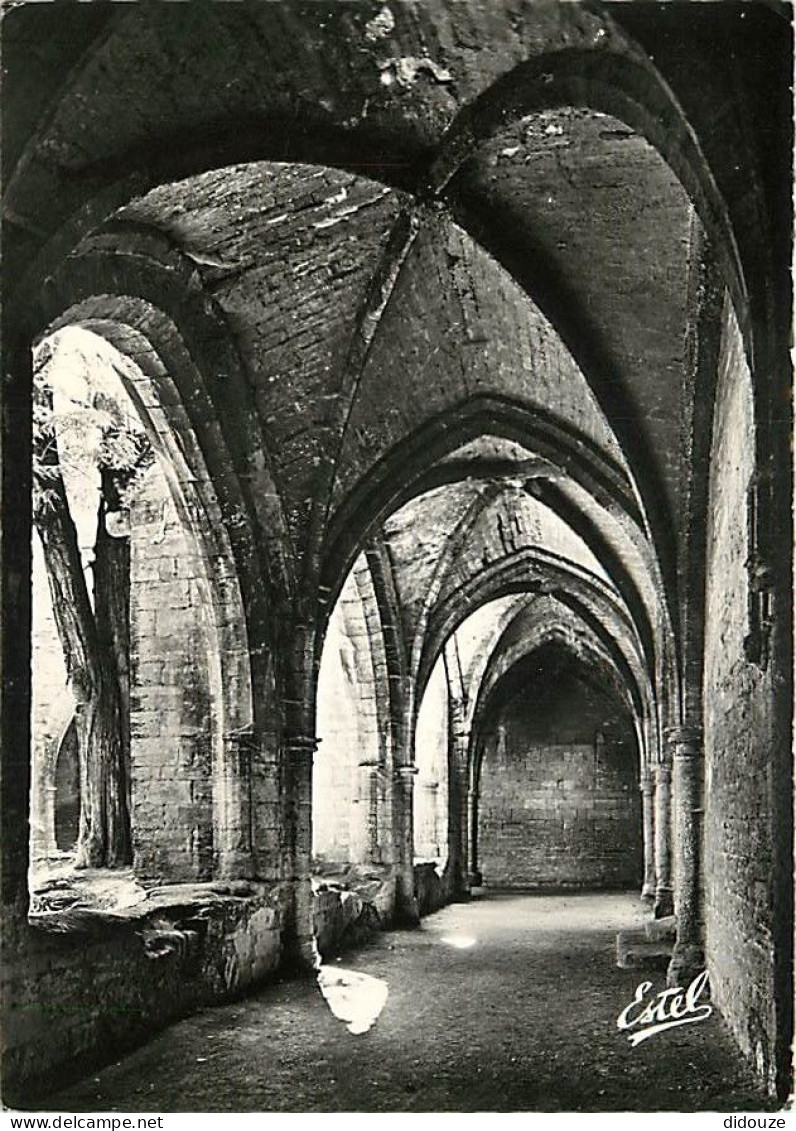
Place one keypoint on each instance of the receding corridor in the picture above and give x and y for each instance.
(506, 1003)
(396, 479)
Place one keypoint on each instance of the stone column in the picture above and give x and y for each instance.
(688, 958)
(458, 805)
(299, 935)
(232, 816)
(364, 834)
(647, 786)
(474, 877)
(15, 589)
(374, 807)
(406, 909)
(664, 895)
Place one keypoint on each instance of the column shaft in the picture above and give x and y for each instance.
(664, 896)
(458, 807)
(363, 830)
(299, 935)
(374, 849)
(474, 877)
(405, 902)
(688, 958)
(647, 786)
(232, 817)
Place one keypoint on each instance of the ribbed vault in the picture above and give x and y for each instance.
(430, 304)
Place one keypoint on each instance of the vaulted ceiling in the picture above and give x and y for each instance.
(456, 249)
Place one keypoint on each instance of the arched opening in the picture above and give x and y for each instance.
(353, 725)
(126, 632)
(556, 774)
(467, 556)
(510, 302)
(432, 756)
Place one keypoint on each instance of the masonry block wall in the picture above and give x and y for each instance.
(738, 699)
(559, 800)
(73, 999)
(171, 721)
(375, 778)
(266, 801)
(349, 782)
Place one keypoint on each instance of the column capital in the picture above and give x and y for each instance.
(662, 771)
(369, 764)
(645, 780)
(686, 741)
(241, 745)
(241, 734)
(406, 772)
(300, 743)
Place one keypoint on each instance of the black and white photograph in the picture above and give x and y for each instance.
(396, 559)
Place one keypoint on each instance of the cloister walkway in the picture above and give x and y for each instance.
(507, 1003)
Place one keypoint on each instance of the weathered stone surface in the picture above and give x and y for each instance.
(430, 888)
(559, 802)
(347, 912)
(665, 928)
(739, 845)
(636, 950)
(113, 976)
(447, 255)
(172, 645)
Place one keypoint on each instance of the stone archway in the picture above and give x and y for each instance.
(556, 776)
(188, 651)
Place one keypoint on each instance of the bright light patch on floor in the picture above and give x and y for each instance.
(461, 942)
(354, 998)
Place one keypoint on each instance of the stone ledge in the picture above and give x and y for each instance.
(635, 950)
(170, 951)
(349, 906)
(431, 886)
(95, 902)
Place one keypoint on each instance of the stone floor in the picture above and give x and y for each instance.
(508, 1003)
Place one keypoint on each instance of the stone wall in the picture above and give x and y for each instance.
(559, 801)
(171, 721)
(349, 782)
(344, 916)
(81, 990)
(738, 699)
(431, 888)
(76, 999)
